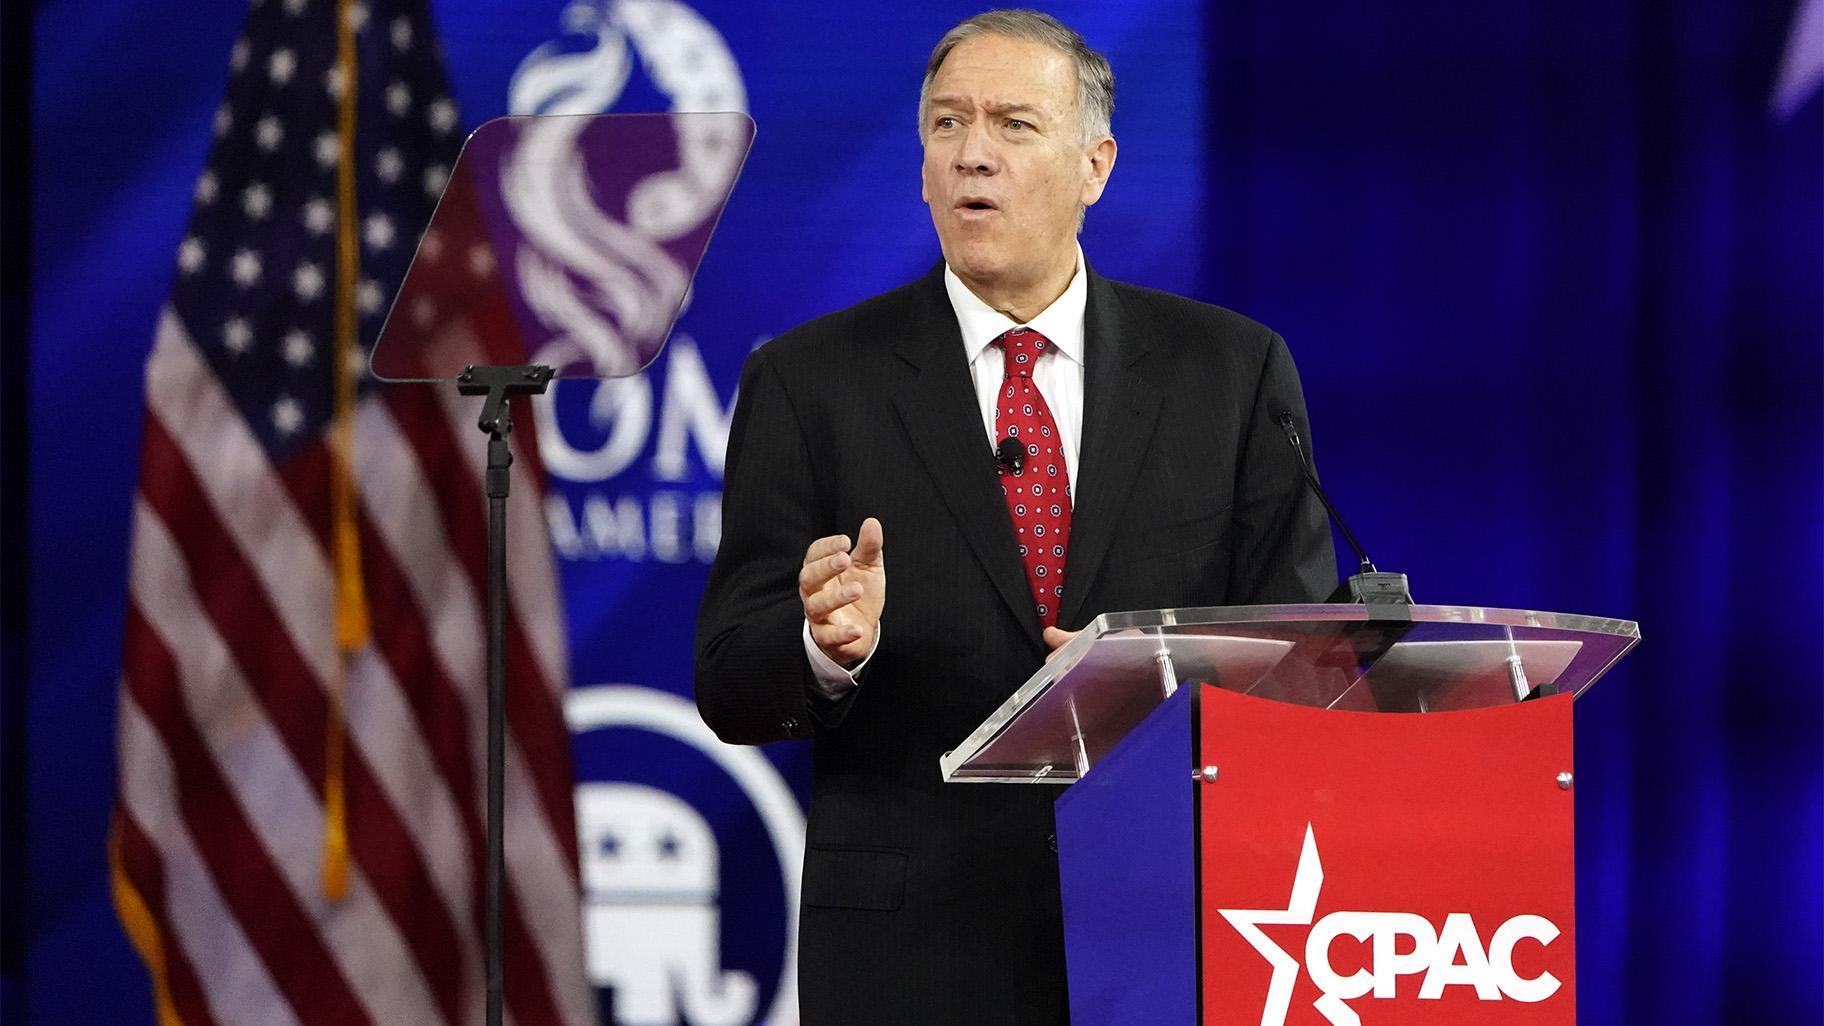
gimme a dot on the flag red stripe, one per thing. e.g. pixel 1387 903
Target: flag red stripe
pixel 532 710
pixel 438 710
pixel 235 600
pixel 280 932
pixel 140 861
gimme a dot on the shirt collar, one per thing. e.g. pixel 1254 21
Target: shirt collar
pixel 1061 323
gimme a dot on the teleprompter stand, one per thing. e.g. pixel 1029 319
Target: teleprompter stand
pixel 499 385
pixel 563 247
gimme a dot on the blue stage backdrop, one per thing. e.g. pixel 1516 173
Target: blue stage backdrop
pixel 1553 277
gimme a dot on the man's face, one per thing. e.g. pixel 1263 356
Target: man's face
pixel 1005 173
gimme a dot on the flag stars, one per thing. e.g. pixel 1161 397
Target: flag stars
pixel 206 188
pixel 237 335
pixel 399 99
pixel 268 133
pixel 435 178
pixel 190 255
pixel 368 298
pixel 295 7
pixel 327 149
pixel 256 201
pixel 357 15
pixel 287 415
pixel 378 232
pixel 402 33
pixel 237 57
pixel 308 281
pixel 424 312
pixel 245 268
pixel 481 260
pixel 224 121
pixel 431 246
pixel 297 348
pixel 332 83
pixel 318 217
pixel 442 115
pixel 389 165
pixel 280 66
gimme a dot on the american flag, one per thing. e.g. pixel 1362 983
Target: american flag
pixel 255 734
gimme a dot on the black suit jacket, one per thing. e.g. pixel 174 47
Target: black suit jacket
pixel 927 903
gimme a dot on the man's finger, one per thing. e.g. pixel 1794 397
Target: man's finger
pixel 868 543
pixel 825 547
pixel 816 574
pixel 820 605
pixel 832 637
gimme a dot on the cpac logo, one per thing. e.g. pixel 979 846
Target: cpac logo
pixel 1452 956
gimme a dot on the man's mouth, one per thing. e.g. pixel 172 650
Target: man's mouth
pixel 976 203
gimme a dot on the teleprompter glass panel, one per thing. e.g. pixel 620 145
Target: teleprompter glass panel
pixel 564 240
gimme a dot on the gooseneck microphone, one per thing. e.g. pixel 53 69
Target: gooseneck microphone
pixel 1387 594
pixel 1010 455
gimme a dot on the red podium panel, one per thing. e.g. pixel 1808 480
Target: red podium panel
pixel 1363 869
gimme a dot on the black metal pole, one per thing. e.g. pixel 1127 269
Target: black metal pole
pixel 499 460
pixel 499 385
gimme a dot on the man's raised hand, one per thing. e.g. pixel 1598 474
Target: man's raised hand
pixel 843 589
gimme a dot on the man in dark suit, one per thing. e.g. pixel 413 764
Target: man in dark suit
pixel 1146 471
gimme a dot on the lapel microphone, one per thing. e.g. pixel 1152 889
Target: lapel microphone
pixel 1010 455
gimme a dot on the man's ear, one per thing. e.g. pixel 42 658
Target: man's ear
pixel 1101 160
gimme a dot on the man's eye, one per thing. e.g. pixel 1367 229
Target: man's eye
pixel 1017 125
pixel 946 122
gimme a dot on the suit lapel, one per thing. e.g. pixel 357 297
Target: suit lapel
pixel 935 400
pixel 1120 410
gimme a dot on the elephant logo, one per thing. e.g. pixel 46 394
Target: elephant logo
pixel 649 909
pixel 652 872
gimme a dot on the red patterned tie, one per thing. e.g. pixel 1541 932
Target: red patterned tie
pixel 1038 493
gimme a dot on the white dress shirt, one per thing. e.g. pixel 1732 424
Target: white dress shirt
pixel 1058 375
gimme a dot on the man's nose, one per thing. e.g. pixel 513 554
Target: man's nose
pixel 976 152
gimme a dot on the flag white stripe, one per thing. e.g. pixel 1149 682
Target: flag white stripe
pixel 235 982
pixel 279 804
pixel 251 502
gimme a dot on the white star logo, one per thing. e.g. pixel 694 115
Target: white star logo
pixel 1299 910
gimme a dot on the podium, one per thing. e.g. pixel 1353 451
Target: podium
pixel 1310 814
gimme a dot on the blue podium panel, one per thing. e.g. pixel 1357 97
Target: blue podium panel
pixel 1127 865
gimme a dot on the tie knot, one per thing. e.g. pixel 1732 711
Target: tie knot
pixel 1020 349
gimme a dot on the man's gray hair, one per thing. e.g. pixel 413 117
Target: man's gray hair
pixel 1095 79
